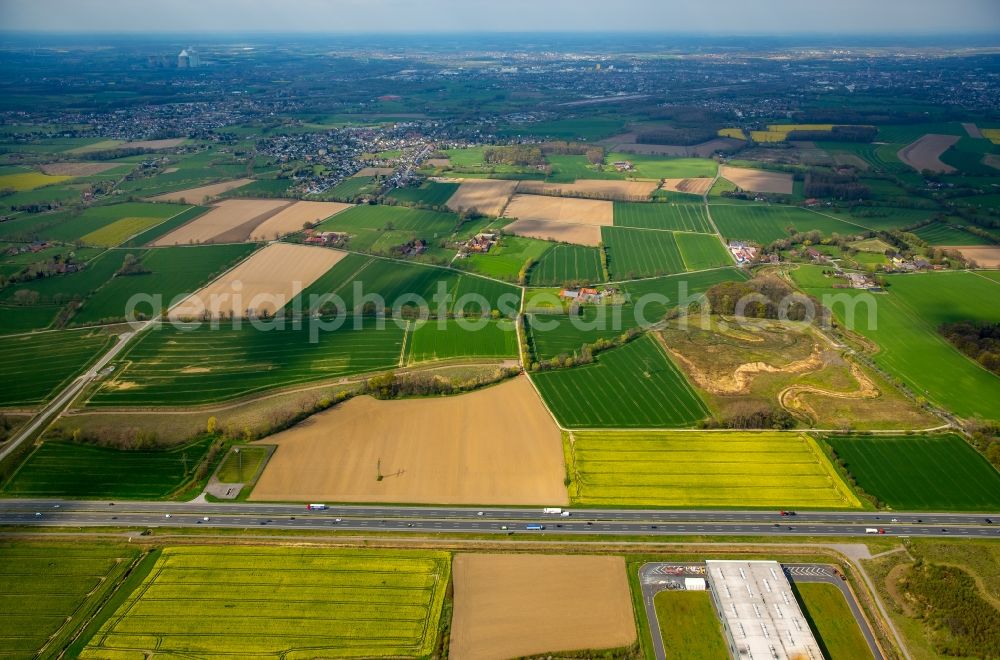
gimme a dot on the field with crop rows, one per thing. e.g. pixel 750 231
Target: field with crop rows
pixel 904 323
pixel 657 215
pixel 566 263
pixel 172 271
pixel 483 339
pixel 634 253
pixel 47 591
pixel 739 469
pixel 702 251
pixel 432 193
pixel 166 226
pixel 66 469
pixel 765 224
pixel 168 366
pixel 281 602
pixel 37 365
pixel 659 167
pixel 633 386
pixel 878 157
pixel 70 226
pixel 931 472
pixel 941 233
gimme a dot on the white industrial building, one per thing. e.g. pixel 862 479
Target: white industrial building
pixel 188 58
pixel 760 617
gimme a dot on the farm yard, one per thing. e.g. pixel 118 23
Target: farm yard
pixel 526 605
pixel 336 602
pixel 49 591
pixel 261 285
pixel 702 469
pixel 38 365
pixel 456 451
pixel 921 472
pixel 73 469
pixel 170 366
pixel 634 386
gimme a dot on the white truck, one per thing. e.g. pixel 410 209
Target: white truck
pixel 316 507
pixel 552 510
pixel 874 530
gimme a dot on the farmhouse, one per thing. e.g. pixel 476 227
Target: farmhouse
pixel 623 165
pixel 760 616
pixel 742 252
pixel 480 243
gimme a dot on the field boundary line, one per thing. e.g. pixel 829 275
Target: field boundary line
pixel 165 220
pixel 402 348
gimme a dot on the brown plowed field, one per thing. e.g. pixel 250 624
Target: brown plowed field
pixel 486 196
pixel 496 445
pixel 266 281
pixel 509 606
pixel 198 195
pixel 925 153
pixel 698 186
pixel 987 256
pixel 374 171
pixel 547 230
pixel 229 221
pixel 593 188
pixel 76 169
pixel 758 180
pixel 561 209
pixel 292 218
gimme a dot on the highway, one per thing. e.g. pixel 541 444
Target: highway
pixel 40 513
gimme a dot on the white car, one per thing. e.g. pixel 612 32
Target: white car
pixel 206 519
pixel 167 515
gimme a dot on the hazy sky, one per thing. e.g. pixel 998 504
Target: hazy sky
pixel 719 16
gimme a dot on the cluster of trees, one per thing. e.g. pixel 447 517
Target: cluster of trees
pixel 837 134
pixel 57 265
pixel 764 297
pixel 752 415
pixel 514 154
pixel 980 341
pixel 985 437
pixel 844 187
pixel 964 623
pixel 131 266
pixel 392 385
pixel 679 136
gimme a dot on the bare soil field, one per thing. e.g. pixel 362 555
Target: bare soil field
pixel 437 162
pixel 565 232
pixel 265 282
pixel 497 445
pixel 986 256
pixel 509 606
pixel 992 160
pixel 375 171
pixel 561 209
pixel 229 221
pixel 168 143
pixel 972 130
pixel 592 188
pixel 758 180
pixel 924 154
pixel 487 196
pixel 76 169
pixel 699 186
pixel 198 195
pixel 291 219
pixel 850 160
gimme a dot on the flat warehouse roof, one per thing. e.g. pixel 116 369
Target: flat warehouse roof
pixel 759 612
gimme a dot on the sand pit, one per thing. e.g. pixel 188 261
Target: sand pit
pixel 564 232
pixel 925 153
pixel 510 606
pixel 986 256
pixel 758 180
pixel 375 171
pixel 265 282
pixel 292 218
pixel 486 196
pixel 230 221
pixel 561 209
pixel 592 188
pixel 198 195
pixel 76 169
pixel 497 445
pixel 699 186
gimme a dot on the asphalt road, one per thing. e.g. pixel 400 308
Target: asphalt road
pixel 84 513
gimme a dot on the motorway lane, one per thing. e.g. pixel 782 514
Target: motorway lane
pixel 221 517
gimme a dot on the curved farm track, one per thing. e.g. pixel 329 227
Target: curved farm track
pixel 789 397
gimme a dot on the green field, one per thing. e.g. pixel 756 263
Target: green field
pixel 168 366
pixel 921 473
pixel 832 621
pixel 48 591
pixel 379 229
pixel 166 227
pixel 37 365
pixel 173 273
pixel 904 324
pixel 67 469
pixel 703 469
pixel 281 602
pixel 634 386
pixel 634 253
pixel 480 339
pixel 96 221
pixel 702 251
pixel 350 188
pixel 584 128
pixel 662 167
pixel 879 157
pixel 567 264
pixel 431 193
pixel 505 260
pixel 942 233
pixel 689 626
pixel 764 224
pixel 677 217
pixel 239 467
